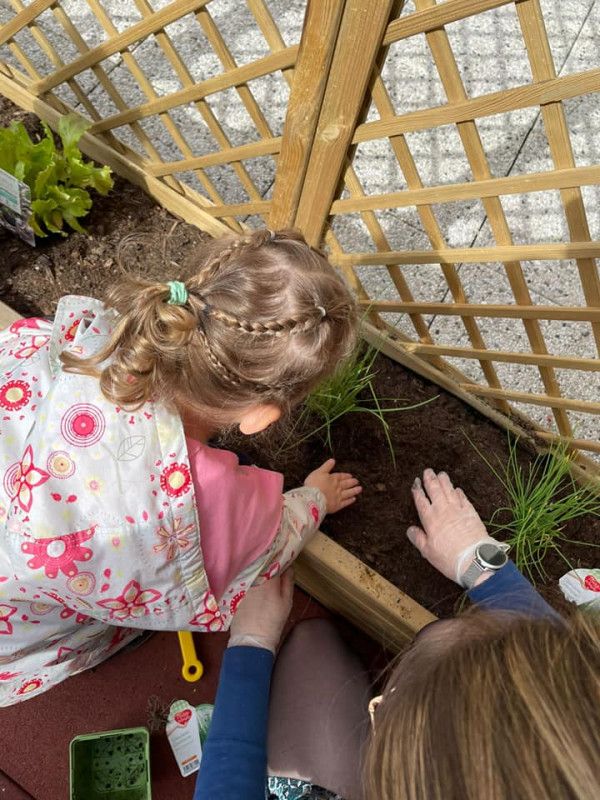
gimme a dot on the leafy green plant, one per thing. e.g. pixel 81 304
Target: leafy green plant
pixel 542 499
pixel 59 179
pixel 349 390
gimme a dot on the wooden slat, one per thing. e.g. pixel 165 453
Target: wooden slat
pixel 534 94
pixel 473 190
pixel 385 109
pixel 575 444
pixel 363 22
pixel 321 26
pixel 215 128
pixel 432 18
pixel 549 251
pixel 23 18
pixel 226 156
pixel 508 357
pixel 565 313
pixel 453 86
pixel 226 80
pixel 533 399
pixel 557 132
pixel 346 586
pixel 258 207
pixel 148 25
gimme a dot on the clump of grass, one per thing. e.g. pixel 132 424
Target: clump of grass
pixel 349 390
pixel 542 499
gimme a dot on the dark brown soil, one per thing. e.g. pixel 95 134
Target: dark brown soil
pixel 128 227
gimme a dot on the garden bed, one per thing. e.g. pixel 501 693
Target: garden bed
pixel 129 228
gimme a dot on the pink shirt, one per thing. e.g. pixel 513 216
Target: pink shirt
pixel 239 508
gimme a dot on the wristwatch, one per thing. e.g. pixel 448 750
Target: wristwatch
pixel 488 557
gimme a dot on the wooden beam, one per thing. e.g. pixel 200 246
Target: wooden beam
pixel 345 585
pixel 319 35
pixel 508 357
pixel 545 91
pixel 508 311
pixel 361 31
pixel 549 251
pixel 23 19
pixel 432 18
pixel 473 190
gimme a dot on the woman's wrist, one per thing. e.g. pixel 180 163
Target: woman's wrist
pixel 251 640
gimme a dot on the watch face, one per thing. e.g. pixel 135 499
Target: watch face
pixel 491 555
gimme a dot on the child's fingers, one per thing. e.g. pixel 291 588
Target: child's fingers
pixel 346 503
pixel 346 483
pixel 351 491
pixel 327 466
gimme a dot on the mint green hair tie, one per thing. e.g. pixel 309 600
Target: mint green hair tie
pixel 178 293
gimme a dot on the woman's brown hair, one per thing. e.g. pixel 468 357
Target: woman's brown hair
pixel 266 319
pixel 493 707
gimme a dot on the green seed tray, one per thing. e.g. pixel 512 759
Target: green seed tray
pixel 114 765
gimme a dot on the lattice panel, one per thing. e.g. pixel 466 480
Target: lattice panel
pixel 469 254
pixel 193 92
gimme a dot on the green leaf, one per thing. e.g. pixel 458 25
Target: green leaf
pixel 70 129
pixel 58 179
pixel 82 173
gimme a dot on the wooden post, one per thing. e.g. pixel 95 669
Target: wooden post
pixel 319 36
pixel 361 33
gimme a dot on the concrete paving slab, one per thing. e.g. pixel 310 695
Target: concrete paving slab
pixel 7 316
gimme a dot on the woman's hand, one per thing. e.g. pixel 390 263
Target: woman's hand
pixel 340 488
pixel 260 617
pixel 451 526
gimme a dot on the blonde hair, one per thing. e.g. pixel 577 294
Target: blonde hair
pixel 508 709
pixel 266 319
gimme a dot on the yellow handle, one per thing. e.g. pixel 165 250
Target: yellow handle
pixel 192 667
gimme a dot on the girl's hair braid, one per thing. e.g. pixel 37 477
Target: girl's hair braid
pixel 266 319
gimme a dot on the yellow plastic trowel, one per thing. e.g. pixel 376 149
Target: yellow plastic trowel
pixel 192 668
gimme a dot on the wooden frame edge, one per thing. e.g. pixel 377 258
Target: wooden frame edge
pixel 345 584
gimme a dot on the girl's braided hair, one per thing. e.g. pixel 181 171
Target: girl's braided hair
pixel 266 319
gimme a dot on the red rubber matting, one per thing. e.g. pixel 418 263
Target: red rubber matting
pixel 35 735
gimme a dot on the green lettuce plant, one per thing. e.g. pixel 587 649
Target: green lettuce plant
pixel 59 178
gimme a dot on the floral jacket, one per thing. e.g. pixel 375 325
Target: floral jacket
pixel 89 494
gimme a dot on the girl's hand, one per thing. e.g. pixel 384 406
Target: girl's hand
pixel 262 614
pixel 340 488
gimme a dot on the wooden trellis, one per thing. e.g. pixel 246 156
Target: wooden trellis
pixel 335 74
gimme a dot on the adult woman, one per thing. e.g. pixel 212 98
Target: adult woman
pixel 502 705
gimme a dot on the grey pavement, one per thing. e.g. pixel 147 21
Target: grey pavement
pixel 490 55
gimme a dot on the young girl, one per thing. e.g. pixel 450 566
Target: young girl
pixel 117 516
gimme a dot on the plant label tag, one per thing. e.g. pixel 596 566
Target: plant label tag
pixel 183 733
pixel 9 192
pixel 15 207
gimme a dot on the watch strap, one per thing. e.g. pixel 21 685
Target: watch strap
pixel 473 571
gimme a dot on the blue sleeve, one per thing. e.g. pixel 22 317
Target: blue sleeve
pixel 234 760
pixel 508 590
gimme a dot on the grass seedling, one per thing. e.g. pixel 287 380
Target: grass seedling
pixel 349 390
pixel 542 499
